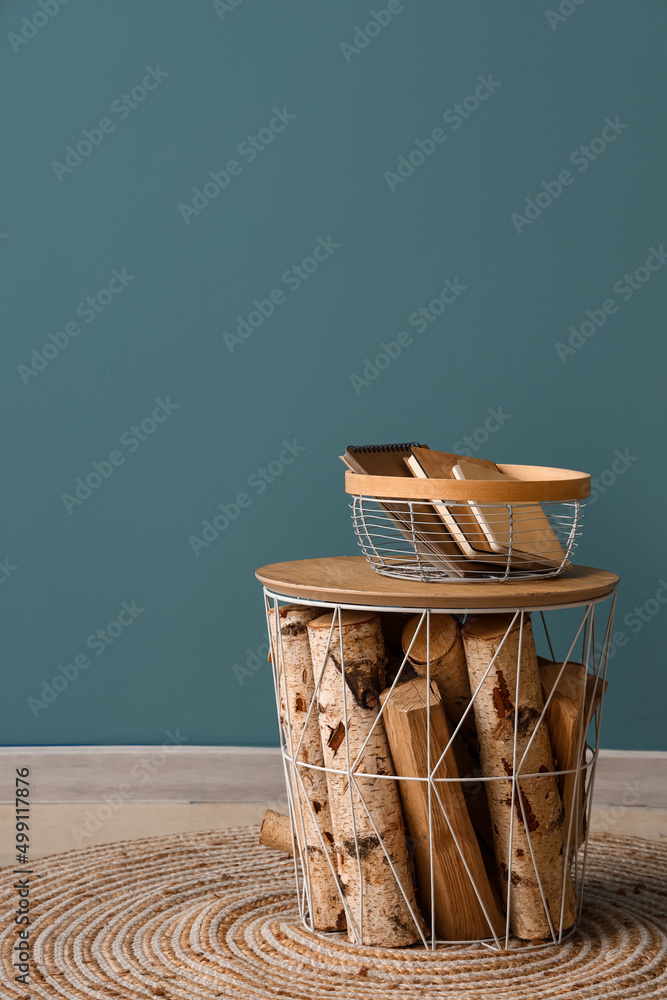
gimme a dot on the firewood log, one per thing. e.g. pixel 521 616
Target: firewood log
pixel 450 673
pixel 448 666
pixel 458 913
pixel 377 909
pixel 312 814
pixel 537 805
pixel 276 832
pixel 575 689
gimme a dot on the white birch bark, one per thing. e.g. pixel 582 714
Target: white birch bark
pixel 312 815
pixel 448 666
pixel 378 908
pixel 537 807
pixel 276 832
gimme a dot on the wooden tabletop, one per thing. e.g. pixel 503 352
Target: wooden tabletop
pixel 351 580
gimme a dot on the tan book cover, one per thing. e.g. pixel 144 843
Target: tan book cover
pixel 458 517
pixel 529 527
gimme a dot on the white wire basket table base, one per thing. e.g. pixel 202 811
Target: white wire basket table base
pixel 559 890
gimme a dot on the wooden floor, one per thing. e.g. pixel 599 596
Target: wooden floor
pixel 61 827
pixel 85 796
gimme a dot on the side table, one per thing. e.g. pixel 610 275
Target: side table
pixel 344 584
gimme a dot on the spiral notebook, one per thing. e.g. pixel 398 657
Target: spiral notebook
pixel 436 544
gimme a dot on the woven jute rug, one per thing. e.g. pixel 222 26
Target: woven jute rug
pixel 214 915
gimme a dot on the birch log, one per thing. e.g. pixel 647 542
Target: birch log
pixel 377 908
pixel 450 673
pixel 575 691
pixel 276 832
pixel 464 904
pixel 537 799
pixel 448 666
pixel 312 814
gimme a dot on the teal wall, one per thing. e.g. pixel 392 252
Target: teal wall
pixel 170 271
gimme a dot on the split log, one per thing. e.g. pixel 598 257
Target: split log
pixel 450 673
pixel 460 912
pixel 377 907
pixel 538 808
pixel 448 666
pixel 312 814
pixel 576 689
pixel 276 832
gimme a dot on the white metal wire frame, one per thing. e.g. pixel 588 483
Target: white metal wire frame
pixel 595 661
pixel 403 538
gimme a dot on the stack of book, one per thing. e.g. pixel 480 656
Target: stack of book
pixel 462 538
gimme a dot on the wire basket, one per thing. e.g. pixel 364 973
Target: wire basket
pixel 473 530
pixel 514 828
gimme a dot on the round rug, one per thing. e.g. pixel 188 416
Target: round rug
pixel 214 915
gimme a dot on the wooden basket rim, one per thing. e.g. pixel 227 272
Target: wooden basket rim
pixel 538 483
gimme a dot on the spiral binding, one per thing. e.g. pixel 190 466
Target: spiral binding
pixel 361 449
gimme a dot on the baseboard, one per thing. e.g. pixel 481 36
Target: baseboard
pixel 175 773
